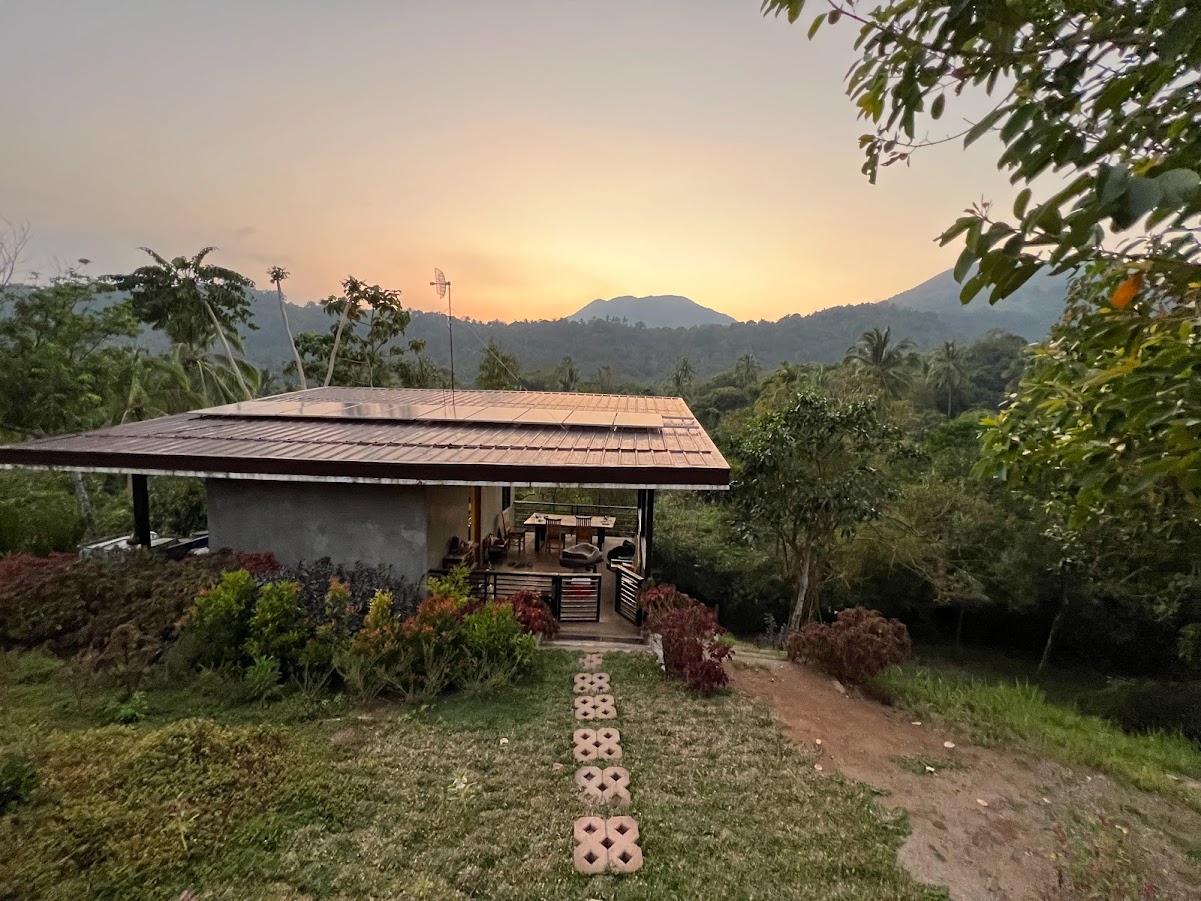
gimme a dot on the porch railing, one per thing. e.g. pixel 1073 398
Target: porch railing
pixel 627 585
pixel 572 597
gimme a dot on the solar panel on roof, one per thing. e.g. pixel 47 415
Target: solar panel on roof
pixel 299 407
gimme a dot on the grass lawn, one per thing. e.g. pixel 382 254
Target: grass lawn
pixel 286 802
pixel 998 710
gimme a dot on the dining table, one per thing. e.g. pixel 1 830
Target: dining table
pixel 600 524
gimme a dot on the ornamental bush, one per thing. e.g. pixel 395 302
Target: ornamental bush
pixel 858 645
pixel 276 627
pixel 533 613
pixel 692 651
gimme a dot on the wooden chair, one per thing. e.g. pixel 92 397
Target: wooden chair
pixel 583 529
pixel 513 539
pixel 555 533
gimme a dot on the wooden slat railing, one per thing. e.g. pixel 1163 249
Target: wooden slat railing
pixel 573 598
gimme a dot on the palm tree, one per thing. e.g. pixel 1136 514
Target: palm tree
pixel 681 379
pixel 875 354
pixel 192 301
pixel 151 386
pixel 568 375
pixel 947 371
pixel 277 274
pixel 747 370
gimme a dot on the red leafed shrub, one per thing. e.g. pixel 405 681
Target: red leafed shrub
pixel 657 600
pixel 71 603
pixel 689 630
pixel 859 644
pixel 260 565
pixel 533 613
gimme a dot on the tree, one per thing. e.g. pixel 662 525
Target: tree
pixel 1103 92
pixel 498 370
pixel 277 274
pixel 567 375
pixel 13 241
pixel 805 476
pixel 946 371
pixel 146 387
pixel 368 353
pixel 885 362
pixel 747 370
pixel 192 301
pixel 681 378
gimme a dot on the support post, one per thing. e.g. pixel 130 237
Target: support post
pixel 650 532
pixel 141 510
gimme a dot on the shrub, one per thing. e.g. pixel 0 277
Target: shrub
pixel 455 584
pixel 276 627
pixel 131 710
pixel 533 613
pixel 858 645
pixel 657 600
pixel 261 565
pixel 496 648
pixel 18 781
pixel 126 658
pixel 372 660
pixel 261 679
pixel 70 603
pixel 360 582
pixel 221 616
pixel 692 649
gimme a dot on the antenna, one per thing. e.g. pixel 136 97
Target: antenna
pixel 442 286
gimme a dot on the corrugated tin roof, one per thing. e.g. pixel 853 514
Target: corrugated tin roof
pixel 323 435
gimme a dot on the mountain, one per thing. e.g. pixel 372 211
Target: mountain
pixel 655 311
pixel 1029 311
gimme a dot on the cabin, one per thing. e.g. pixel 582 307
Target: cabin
pixel 421 480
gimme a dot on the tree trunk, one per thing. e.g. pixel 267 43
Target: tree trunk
pixel 801 608
pixel 948 403
pixel 229 352
pixel 85 505
pixel 283 311
pixel 1056 623
pixel 333 354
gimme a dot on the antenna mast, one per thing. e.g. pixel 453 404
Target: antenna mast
pixel 442 286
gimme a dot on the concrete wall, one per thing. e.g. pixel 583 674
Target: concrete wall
pixel 445 515
pixel 490 498
pixel 375 524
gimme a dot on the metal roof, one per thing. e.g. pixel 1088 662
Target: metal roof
pixel 409 436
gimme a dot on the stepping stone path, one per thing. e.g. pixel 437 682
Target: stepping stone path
pixel 609 786
pixel 595 707
pixel 606 844
pixel 602 845
pixel 598 744
pixel 591 682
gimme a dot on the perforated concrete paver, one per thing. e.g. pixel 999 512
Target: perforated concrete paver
pixel 593 660
pixel 606 844
pixel 591 683
pixel 597 744
pixel 608 786
pixel 595 707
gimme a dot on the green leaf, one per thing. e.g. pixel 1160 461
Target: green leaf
pixel 1142 196
pixel 963 264
pixel 1019 205
pixel 937 107
pixel 983 126
pixel 1179 186
pixel 817 23
pixel 1112 182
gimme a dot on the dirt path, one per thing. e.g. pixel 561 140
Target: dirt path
pixel 998 852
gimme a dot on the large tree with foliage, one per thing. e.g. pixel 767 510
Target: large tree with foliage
pixel 499 370
pixel 193 302
pixel 883 360
pixel 362 346
pixel 806 475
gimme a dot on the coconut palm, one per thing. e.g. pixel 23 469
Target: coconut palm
pixel 747 370
pixel 567 375
pixel 151 386
pixel 681 379
pixel 277 274
pixel 192 301
pixel 946 371
pixel 885 362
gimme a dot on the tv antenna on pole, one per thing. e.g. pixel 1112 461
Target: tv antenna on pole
pixel 442 285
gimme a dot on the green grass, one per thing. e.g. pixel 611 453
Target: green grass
pixel 259 802
pixel 997 712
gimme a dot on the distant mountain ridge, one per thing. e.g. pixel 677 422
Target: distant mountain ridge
pixel 653 311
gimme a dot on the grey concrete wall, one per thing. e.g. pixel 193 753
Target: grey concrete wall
pixel 375 524
pixel 446 514
pixel 490 498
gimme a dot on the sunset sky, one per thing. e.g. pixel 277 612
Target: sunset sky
pixel 542 152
